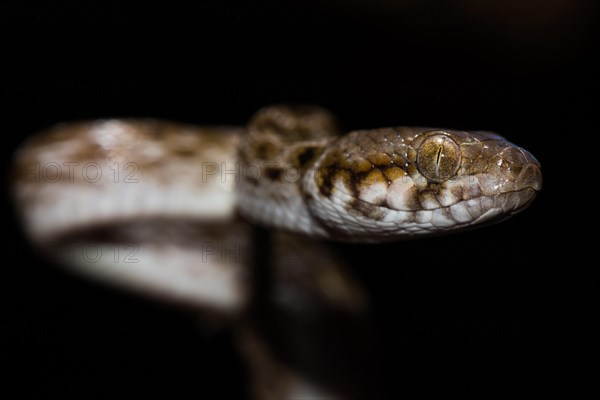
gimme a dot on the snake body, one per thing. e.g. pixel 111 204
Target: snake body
pixel 174 193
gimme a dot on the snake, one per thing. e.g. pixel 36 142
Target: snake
pixel 169 210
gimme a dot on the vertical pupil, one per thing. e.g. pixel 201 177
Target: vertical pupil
pixel 438 157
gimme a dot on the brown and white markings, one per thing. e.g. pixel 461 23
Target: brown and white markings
pixel 174 200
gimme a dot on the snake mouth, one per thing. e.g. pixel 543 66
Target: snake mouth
pixel 507 186
pixel 526 197
pixel 515 201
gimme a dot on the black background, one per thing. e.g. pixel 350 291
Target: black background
pixel 480 312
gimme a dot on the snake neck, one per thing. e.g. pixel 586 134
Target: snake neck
pixel 281 147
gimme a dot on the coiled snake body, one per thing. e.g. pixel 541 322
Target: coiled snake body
pixel 157 203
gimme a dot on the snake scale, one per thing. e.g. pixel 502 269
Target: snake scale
pixel 163 208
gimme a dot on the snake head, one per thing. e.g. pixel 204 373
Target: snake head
pixel 400 182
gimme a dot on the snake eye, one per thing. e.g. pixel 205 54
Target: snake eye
pixel 438 157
